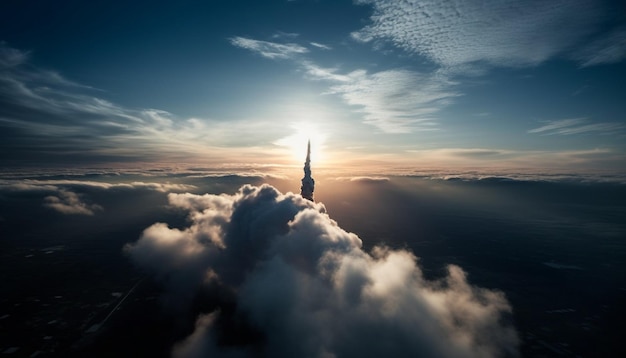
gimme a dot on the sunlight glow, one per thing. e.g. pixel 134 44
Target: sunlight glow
pixel 296 143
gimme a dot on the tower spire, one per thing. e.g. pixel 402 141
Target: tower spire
pixel 308 183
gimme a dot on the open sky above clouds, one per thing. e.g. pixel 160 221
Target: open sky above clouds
pixel 507 84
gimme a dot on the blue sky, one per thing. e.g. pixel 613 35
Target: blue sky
pixel 451 84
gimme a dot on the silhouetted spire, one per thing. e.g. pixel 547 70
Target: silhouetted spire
pixel 308 183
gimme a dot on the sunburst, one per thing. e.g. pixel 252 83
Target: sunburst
pixel 296 142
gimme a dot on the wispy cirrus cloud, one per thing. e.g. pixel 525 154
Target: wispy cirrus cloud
pixel 610 48
pixel 37 104
pixel 285 35
pixel 501 33
pixel 394 101
pixel 272 50
pixel 319 45
pixel 46 118
pixel 572 126
pixel 315 72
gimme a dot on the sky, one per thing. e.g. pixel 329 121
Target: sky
pixel 373 83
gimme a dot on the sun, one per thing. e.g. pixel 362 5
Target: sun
pixel 296 142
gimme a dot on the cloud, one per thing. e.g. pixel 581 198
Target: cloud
pixel 302 286
pixel 610 48
pixel 571 126
pixel 201 343
pixel 55 184
pixel 10 57
pixel 315 72
pixel 397 101
pixel 51 115
pixel 268 49
pixel 502 33
pixel 46 118
pixel 394 101
pixel 285 35
pixel 64 195
pixel 67 202
pixel 322 46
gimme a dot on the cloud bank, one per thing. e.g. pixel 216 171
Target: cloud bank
pixel 303 287
pixel 394 101
pixel 67 196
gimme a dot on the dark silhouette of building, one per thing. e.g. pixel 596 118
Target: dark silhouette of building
pixel 308 183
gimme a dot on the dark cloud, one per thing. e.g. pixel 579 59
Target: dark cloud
pixel 67 202
pixel 300 285
pixel 68 194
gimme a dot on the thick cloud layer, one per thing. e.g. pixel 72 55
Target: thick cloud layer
pixel 303 287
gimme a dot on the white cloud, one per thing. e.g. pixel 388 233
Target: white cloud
pixel 572 126
pixel 499 32
pixel 315 72
pixel 67 202
pixel 395 101
pixel 322 46
pixel 309 289
pixel 268 49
